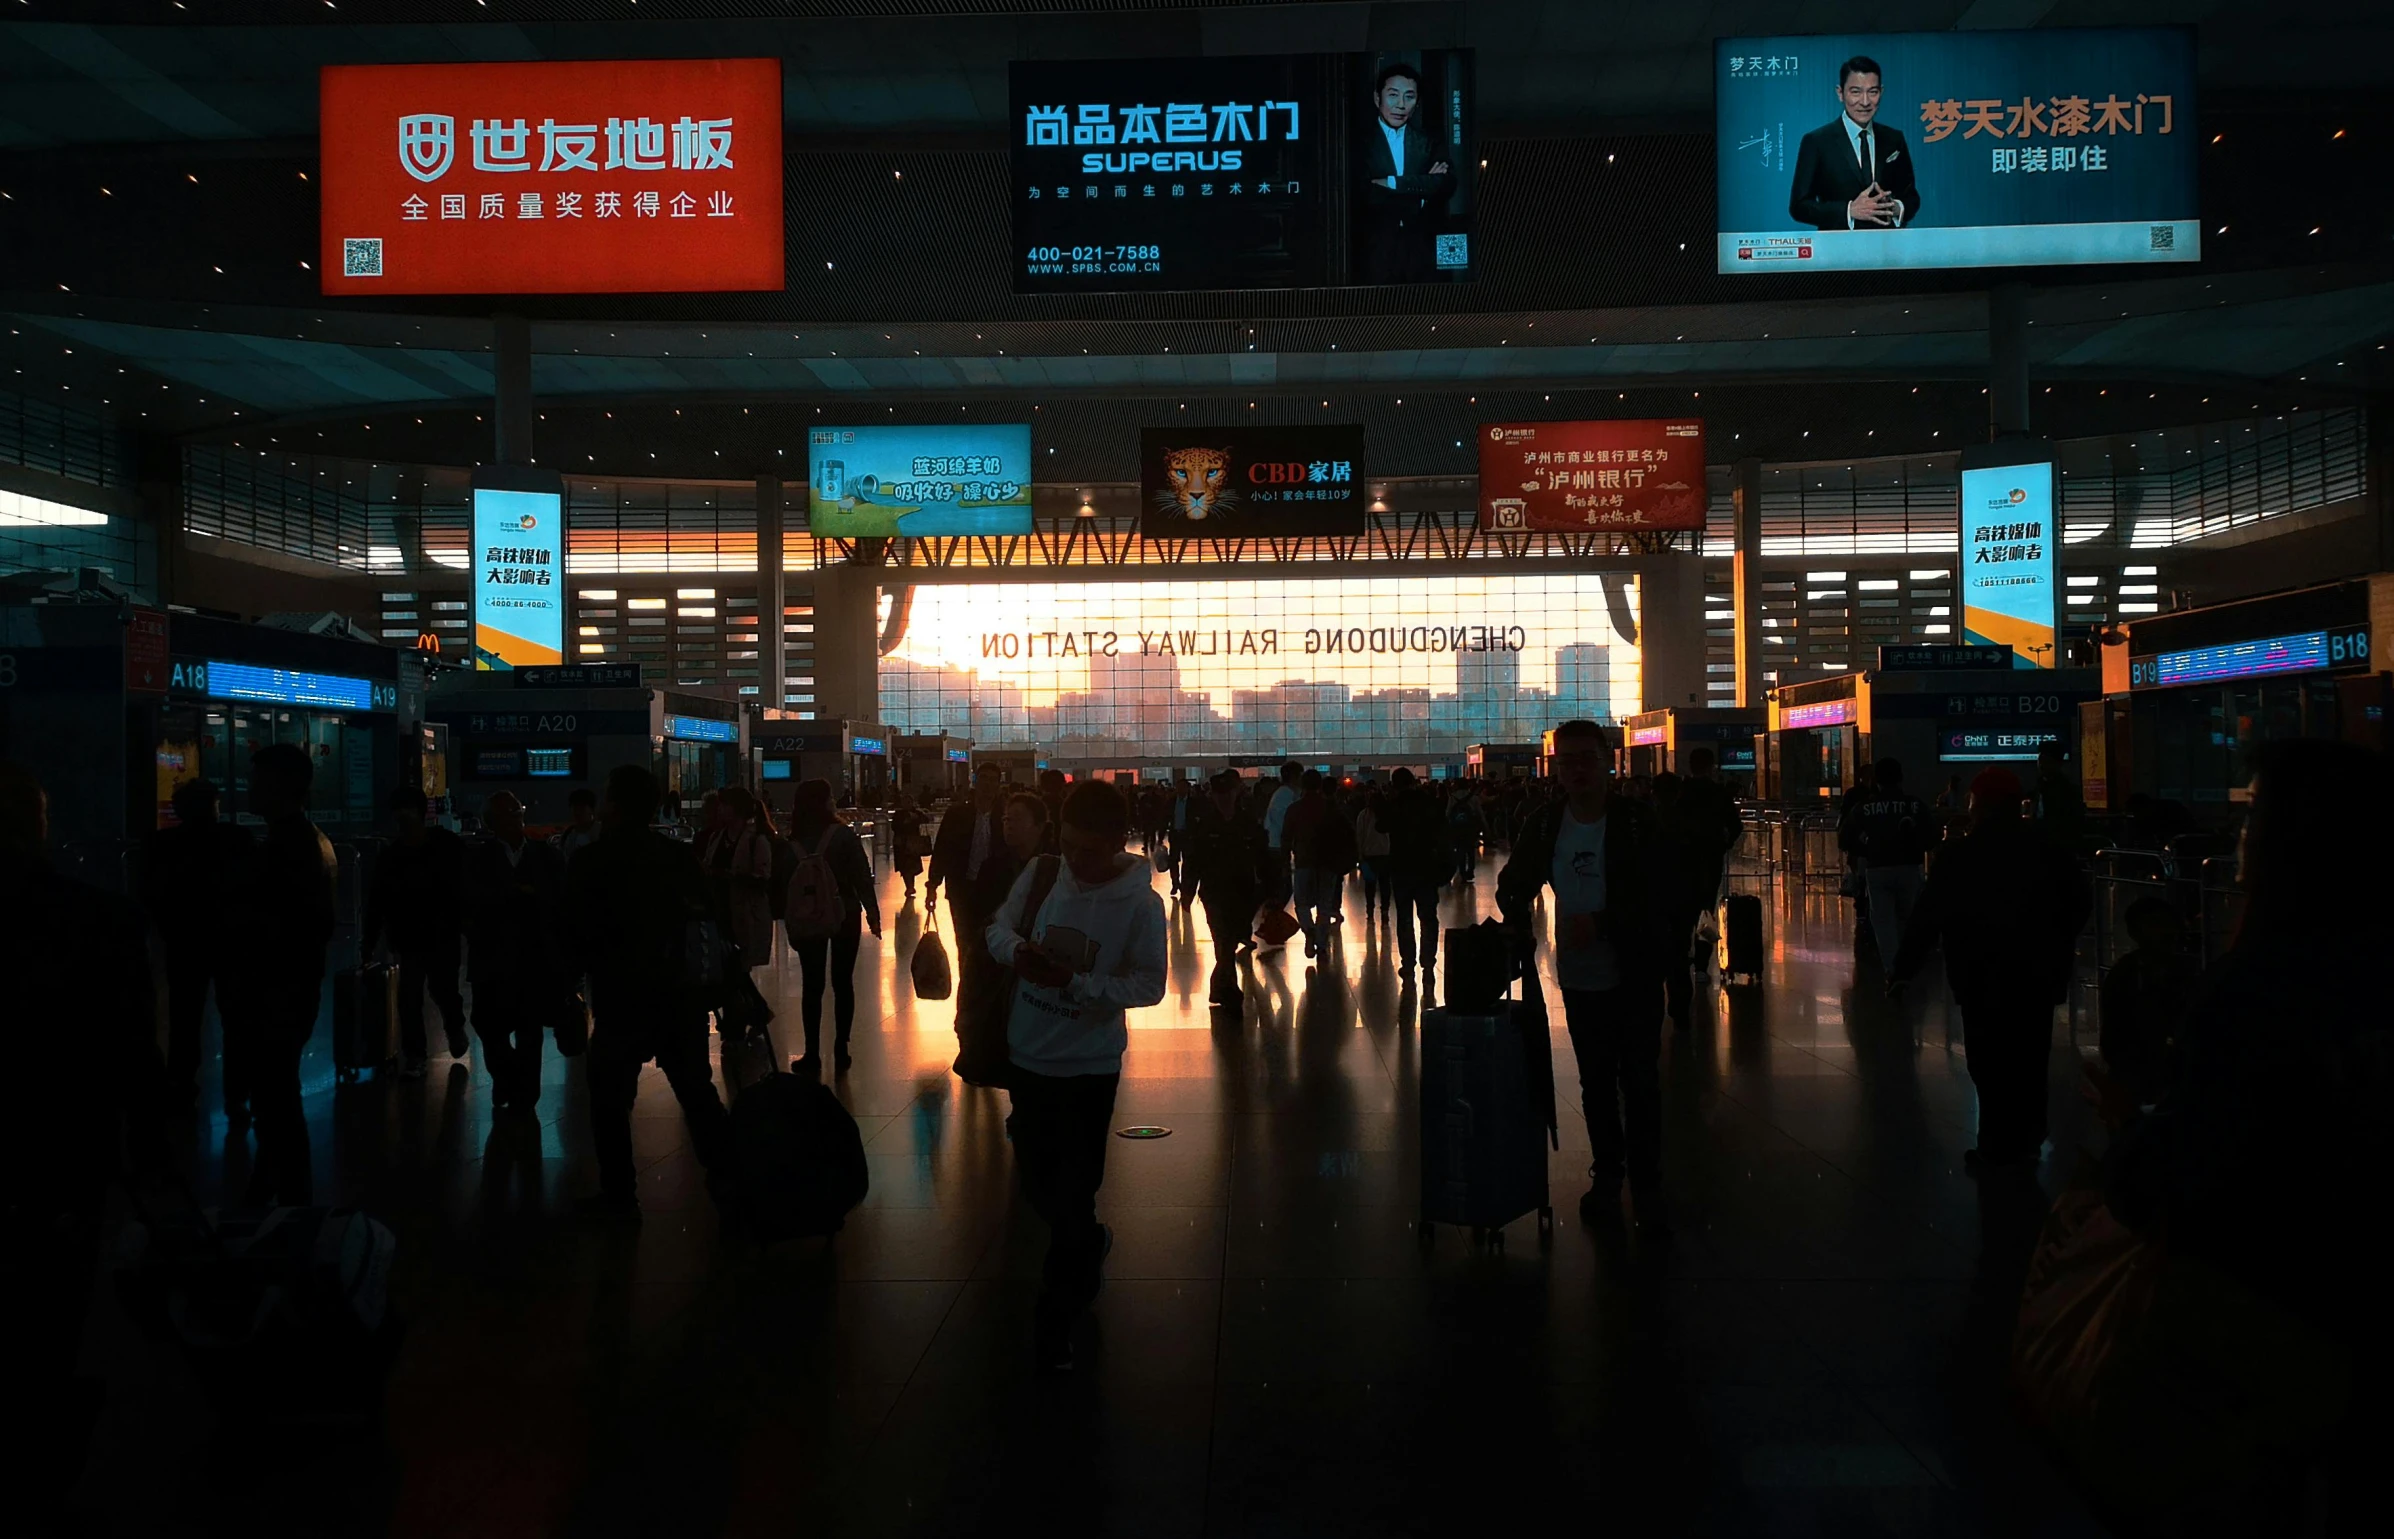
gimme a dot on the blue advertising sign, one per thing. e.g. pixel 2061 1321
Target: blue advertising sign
pixel 1963 149
pixel 701 729
pixel 964 478
pixel 284 686
pixel 2010 561
pixel 519 577
pixel 859 743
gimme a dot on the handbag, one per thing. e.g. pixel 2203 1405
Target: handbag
pixel 1276 926
pixel 2172 1389
pixel 572 1025
pixel 933 978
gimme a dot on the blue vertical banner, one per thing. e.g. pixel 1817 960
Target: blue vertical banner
pixel 1956 149
pixel 2011 561
pixel 519 569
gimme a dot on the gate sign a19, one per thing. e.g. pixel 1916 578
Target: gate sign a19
pixel 581 177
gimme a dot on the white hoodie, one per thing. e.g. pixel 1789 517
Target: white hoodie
pixel 1079 1029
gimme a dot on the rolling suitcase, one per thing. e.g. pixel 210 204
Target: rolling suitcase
pixel 365 1019
pixel 1741 940
pixel 800 1163
pixel 1487 1115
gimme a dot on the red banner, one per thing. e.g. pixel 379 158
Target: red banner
pixel 1592 475
pixel 589 177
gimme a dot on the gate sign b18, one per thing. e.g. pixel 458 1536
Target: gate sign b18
pixel 586 177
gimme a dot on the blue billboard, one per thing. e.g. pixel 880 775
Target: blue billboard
pixel 519 571
pixel 961 478
pixel 1956 149
pixel 2010 561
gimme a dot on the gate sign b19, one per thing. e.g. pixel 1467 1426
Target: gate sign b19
pixel 606 176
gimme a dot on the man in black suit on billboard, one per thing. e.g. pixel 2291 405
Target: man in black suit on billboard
pixel 1405 176
pixel 1855 173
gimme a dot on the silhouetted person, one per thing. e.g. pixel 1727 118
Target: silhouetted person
pixel 515 949
pixel 1612 879
pixel 2147 996
pixel 1227 864
pixel 631 899
pixel 1053 788
pixel 1701 829
pixel 186 877
pixel 1371 853
pixel 582 825
pixel 968 858
pixel 1084 933
pixel 826 924
pixel 413 902
pixel 82 1046
pixel 1417 869
pixel 907 845
pixel 2006 903
pixel 2060 802
pixel 1311 835
pixel 1284 797
pixel 2268 1159
pixel 1886 833
pixel 278 924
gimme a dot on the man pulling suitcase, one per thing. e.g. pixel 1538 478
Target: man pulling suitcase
pixel 1614 883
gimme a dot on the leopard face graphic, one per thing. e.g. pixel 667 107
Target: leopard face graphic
pixel 1198 484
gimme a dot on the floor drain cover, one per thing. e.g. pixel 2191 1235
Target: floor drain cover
pixel 1143 1132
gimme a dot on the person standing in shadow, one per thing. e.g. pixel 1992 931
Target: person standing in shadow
pixel 186 876
pixel 830 903
pixel 515 949
pixel 2006 904
pixel 631 899
pixel 413 902
pixel 1228 863
pixel 1701 827
pixel 278 925
pixel 85 1025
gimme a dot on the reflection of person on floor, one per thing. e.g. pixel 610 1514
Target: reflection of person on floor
pixel 2006 904
pixel 1612 878
pixel 1084 936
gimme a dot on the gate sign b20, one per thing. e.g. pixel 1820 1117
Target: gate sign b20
pixel 586 177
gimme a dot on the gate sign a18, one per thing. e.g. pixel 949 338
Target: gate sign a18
pixel 581 177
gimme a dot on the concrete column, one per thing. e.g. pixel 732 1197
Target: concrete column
pixel 772 649
pixel 1671 631
pixel 511 386
pixel 158 484
pixel 2007 360
pixel 1747 584
pixel 847 643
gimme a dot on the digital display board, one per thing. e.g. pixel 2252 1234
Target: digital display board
pixel 702 729
pixel 951 479
pixel 602 176
pixel 1592 475
pixel 2010 561
pixel 220 680
pixel 1273 171
pixel 1228 483
pixel 2318 651
pixel 776 769
pixel 1824 713
pixel 859 743
pixel 1965 149
pixel 1995 745
pixel 519 568
pixel 1641 737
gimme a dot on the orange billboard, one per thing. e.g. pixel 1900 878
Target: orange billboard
pixel 1633 474
pixel 582 177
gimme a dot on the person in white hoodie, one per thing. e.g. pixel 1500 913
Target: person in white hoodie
pixel 1083 933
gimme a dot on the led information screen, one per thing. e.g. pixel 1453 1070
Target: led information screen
pixel 881 481
pixel 588 177
pixel 519 569
pixel 2309 652
pixel 1995 745
pixel 1592 475
pixel 1277 171
pixel 1983 149
pixel 2010 561
pixel 285 686
pixel 1224 483
pixel 701 729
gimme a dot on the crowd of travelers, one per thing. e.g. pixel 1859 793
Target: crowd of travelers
pixel 2252 1092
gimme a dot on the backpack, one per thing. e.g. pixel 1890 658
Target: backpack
pixel 800 1161
pixel 785 866
pixel 811 903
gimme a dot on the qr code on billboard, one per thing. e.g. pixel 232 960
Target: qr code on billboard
pixel 361 258
pixel 2165 237
pixel 1454 251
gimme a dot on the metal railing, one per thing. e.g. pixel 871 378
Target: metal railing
pixel 2200 887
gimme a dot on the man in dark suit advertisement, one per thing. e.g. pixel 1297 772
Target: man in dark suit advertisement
pixel 1406 180
pixel 1855 173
